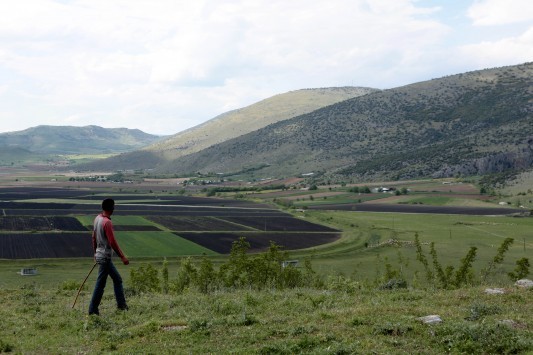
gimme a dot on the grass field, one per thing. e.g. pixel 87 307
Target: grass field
pixel 158 244
pixel 453 235
pixel 36 321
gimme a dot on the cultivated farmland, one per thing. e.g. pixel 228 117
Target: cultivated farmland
pixel 260 241
pixel 144 222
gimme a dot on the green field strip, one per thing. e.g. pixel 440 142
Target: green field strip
pixel 62 200
pixel 118 220
pixel 158 244
pixel 340 199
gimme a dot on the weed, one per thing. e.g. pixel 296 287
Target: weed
pixel 464 273
pixel 521 270
pixel 357 322
pixel 393 284
pixel 498 258
pixel 5 347
pixel 394 329
pixel 164 276
pixel 342 284
pixel 480 310
pixel 71 285
pixel 199 325
pixel 96 323
pixel 422 258
pixel 481 339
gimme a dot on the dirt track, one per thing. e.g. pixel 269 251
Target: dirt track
pixel 368 207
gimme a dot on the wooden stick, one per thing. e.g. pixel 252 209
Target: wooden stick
pixel 83 283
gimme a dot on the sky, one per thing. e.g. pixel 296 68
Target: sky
pixel 163 66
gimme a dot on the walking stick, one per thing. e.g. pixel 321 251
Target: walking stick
pixel 83 283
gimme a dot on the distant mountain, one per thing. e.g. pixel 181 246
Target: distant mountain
pixel 232 124
pixel 76 140
pixel 473 123
pixel 12 155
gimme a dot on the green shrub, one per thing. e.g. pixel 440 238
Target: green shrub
pixel 205 278
pixel 186 273
pixel 521 270
pixel 342 284
pixel 145 279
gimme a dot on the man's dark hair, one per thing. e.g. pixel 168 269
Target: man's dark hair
pixel 108 204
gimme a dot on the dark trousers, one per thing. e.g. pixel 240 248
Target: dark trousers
pixel 106 268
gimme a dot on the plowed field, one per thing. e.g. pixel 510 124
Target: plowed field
pixel 222 242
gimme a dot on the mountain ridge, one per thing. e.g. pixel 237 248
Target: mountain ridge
pixel 47 139
pixel 437 127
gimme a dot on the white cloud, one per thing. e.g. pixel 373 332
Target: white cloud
pixel 500 12
pixel 501 52
pixel 166 65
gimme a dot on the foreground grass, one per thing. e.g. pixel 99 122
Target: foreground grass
pixel 360 319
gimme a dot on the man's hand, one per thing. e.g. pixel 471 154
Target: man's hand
pixel 125 261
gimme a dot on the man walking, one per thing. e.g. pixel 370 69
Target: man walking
pixel 104 243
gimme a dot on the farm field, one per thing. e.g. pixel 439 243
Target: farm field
pixel 143 229
pixel 260 241
pixel 434 193
pixel 351 242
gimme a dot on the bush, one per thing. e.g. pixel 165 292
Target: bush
pixel 521 270
pixel 186 273
pixel 144 279
pixel 260 271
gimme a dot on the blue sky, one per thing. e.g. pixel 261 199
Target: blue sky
pixel 163 66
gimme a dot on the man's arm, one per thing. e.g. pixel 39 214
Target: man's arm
pixel 110 234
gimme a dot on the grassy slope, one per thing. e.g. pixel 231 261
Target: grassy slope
pixel 282 322
pixel 238 122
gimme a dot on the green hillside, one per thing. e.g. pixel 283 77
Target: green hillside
pixel 15 155
pixel 231 125
pixel 76 140
pixel 473 123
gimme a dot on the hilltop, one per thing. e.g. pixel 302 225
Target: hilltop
pixel 230 125
pixel 42 140
pixel 465 124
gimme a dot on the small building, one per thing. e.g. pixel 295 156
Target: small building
pixel 286 263
pixel 28 272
